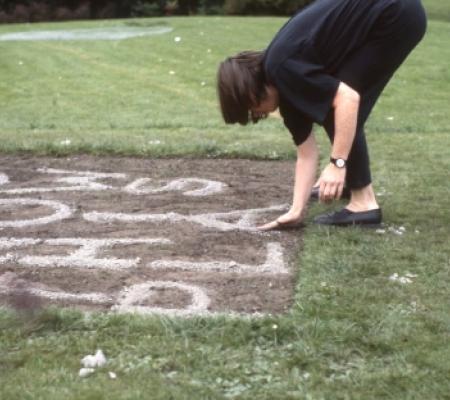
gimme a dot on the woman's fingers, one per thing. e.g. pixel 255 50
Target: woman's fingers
pixel 327 191
pixel 283 222
pixel 269 226
pixel 340 190
pixel 330 191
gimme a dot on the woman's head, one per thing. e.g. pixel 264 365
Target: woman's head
pixel 242 88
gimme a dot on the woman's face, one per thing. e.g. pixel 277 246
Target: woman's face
pixel 267 105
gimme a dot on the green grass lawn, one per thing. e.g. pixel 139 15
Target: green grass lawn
pixel 351 333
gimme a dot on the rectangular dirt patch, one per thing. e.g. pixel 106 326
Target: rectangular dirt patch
pixel 170 236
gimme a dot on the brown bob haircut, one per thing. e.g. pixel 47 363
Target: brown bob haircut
pixel 241 84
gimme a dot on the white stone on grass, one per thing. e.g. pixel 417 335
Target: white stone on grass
pixel 85 372
pixel 112 375
pixel 94 360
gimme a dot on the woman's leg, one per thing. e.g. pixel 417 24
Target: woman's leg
pixel 368 70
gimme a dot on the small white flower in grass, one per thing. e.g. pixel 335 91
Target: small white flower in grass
pixel 177 39
pixel 203 83
pixel 154 142
pixel 20 62
pixel 171 72
pixel 390 118
pixel 201 33
pixel 84 372
pixel 65 142
pixel 397 231
pixel 408 278
pixel 274 327
pixel 112 375
pixel 380 231
pixel 323 284
pixel 209 50
pixel 306 375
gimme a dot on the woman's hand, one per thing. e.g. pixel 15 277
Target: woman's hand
pixel 292 219
pixel 331 183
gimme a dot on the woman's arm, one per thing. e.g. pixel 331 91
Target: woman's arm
pixel 346 107
pixel 305 173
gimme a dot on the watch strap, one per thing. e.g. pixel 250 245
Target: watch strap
pixel 338 162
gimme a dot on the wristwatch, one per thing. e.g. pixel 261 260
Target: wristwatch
pixel 339 162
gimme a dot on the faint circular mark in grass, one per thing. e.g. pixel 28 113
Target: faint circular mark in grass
pixel 112 33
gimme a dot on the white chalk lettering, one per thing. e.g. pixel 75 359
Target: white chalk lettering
pixel 244 220
pixel 4 179
pixel 86 255
pixel 11 284
pixel 12 243
pixel 61 211
pixel 207 187
pixel 78 181
pixel 131 298
pixel 273 265
pixel 128 300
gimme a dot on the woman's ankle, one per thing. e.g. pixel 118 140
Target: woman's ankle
pixel 363 200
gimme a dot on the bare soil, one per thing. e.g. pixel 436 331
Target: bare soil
pixel 250 185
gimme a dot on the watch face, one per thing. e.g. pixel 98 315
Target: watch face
pixel 340 163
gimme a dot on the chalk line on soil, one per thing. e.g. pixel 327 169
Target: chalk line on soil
pixel 80 181
pixel 246 219
pixel 4 179
pixel 11 285
pixel 61 212
pixel 209 187
pixel 217 241
pixel 127 301
pixel 84 257
pixel 273 265
pixel 132 296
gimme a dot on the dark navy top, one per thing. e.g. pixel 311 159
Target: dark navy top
pixel 303 58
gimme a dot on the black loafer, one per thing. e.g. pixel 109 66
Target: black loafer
pixel 346 217
pixel 315 193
